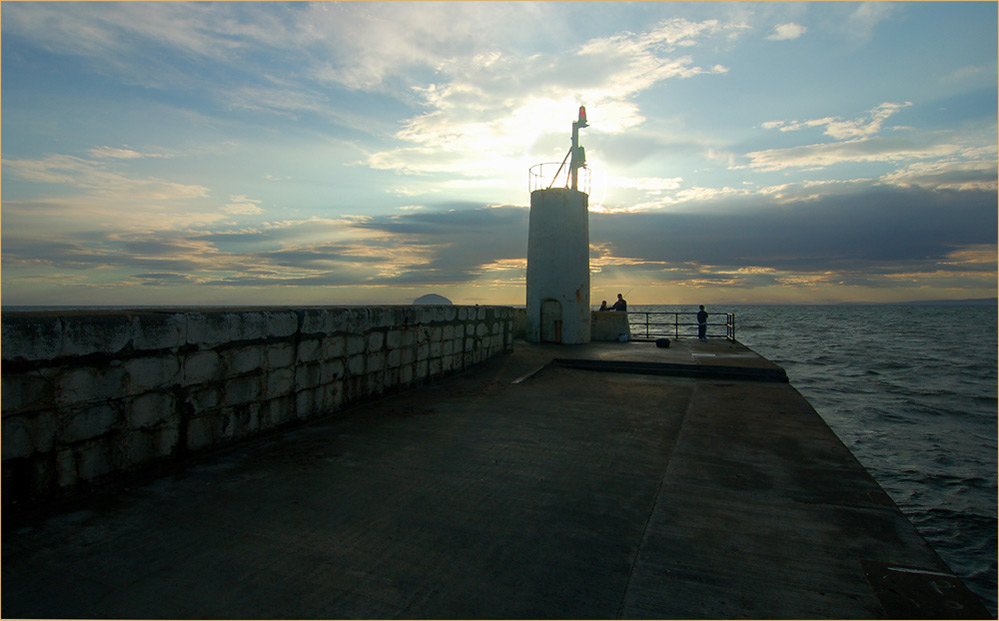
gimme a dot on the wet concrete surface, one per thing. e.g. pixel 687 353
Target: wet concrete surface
pixel 519 489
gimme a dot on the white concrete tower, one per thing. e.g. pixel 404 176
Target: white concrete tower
pixel 558 251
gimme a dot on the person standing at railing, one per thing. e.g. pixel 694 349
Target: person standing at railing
pixel 702 324
pixel 603 306
pixel 620 305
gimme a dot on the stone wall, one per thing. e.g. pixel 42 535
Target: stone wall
pixel 90 395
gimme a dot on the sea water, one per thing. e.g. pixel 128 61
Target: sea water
pixel 911 390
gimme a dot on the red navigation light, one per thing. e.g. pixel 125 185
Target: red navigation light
pixel 582 114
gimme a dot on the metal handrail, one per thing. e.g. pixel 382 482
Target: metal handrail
pixel 653 329
pixel 541 177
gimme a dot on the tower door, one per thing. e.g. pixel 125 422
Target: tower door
pixel 551 321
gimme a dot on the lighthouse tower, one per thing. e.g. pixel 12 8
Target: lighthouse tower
pixel 558 250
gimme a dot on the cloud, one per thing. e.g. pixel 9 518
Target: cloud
pixel 241 205
pixel 823 155
pixel 482 111
pixel 121 153
pixel 786 32
pixel 845 227
pixel 99 178
pixel 844 129
pixel 947 175
pixel 866 17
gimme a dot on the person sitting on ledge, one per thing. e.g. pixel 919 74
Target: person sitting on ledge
pixel 603 306
pixel 620 305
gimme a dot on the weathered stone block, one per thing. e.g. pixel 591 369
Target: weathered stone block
pixel 316 321
pixel 406 374
pixel 88 423
pixel 143 446
pixel 308 376
pixel 391 379
pixel 280 382
pixel 213 328
pixel 244 359
pixel 151 409
pixel 375 383
pixel 334 347
pixel 200 433
pixel 436 349
pixel 280 355
pixel 354 388
pixel 158 331
pixel 481 330
pixel 409 337
pixel 408 355
pixel 450 313
pixel 309 350
pixel 435 367
pixel 393 339
pixel 375 362
pixel 375 341
pixel 332 396
pixel 35 337
pixel 384 317
pixel 240 390
pixel 66 468
pixel 393 359
pixel 166 440
pixel 247 419
pixel 331 370
pixel 16 439
pixel 281 323
pixel 85 384
pixel 422 351
pixel 308 403
pixel 421 369
pixel 94 459
pixel 481 313
pixel 355 364
pixel 249 325
pixel 24 392
pixel 204 399
pixel 148 373
pixel 90 334
pixel 201 367
pixel 355 344
pixel 138 447
pixel 280 410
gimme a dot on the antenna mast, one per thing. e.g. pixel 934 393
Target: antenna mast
pixel 578 154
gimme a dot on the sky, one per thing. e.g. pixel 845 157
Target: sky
pixel 373 152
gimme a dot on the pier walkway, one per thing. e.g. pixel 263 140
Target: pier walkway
pixel 616 483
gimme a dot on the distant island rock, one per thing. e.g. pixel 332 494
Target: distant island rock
pixel 432 299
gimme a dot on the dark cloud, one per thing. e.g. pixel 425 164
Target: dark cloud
pixel 846 231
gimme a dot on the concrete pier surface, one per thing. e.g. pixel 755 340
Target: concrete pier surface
pixel 617 482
